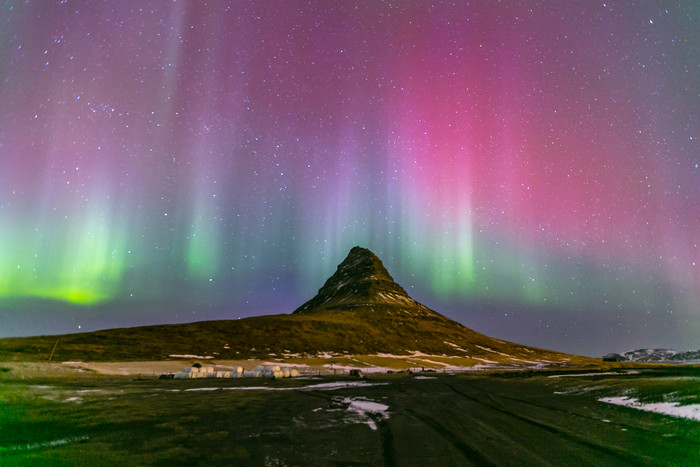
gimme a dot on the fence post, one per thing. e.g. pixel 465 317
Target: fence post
pixel 52 350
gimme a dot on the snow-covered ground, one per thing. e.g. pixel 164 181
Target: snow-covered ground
pixel 321 363
pixel 488 349
pixel 77 396
pixel 691 411
pixel 311 387
pixel 455 346
pixel 365 369
pixel 604 373
pixel 365 411
pixel 45 444
pixel 201 357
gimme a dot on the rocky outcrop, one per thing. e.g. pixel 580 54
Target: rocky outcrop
pixel 362 281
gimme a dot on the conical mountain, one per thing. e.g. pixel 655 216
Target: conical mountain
pixel 360 310
pixel 362 281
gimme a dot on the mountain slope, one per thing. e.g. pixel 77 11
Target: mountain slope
pixel 359 310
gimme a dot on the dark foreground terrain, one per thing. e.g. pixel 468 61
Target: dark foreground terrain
pixel 509 419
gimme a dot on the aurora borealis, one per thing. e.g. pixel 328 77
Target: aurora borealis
pixel 531 169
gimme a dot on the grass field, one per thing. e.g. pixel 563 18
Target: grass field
pixel 364 331
pixel 516 418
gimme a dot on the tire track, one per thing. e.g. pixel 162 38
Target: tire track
pixel 467 451
pixel 570 413
pixel 388 452
pixel 617 454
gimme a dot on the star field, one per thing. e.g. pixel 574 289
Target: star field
pixel 531 169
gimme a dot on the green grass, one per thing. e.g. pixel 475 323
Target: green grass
pixel 681 383
pixel 448 420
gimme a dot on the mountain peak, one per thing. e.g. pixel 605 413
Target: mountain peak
pixel 362 264
pixel 360 281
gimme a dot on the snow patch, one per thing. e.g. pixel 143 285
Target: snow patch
pixel 494 351
pixel 311 387
pixel 364 369
pixel 190 356
pixel 340 385
pixel 438 364
pixel 418 353
pixel 605 373
pixel 389 355
pixel 483 360
pixel 455 346
pixel 366 411
pixel 673 409
pixel 43 444
pixel 390 297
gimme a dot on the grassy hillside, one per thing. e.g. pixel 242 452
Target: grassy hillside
pixel 361 331
pixel 360 310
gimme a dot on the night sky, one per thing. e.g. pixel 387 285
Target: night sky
pixel 530 169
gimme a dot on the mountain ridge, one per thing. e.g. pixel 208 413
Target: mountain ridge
pixel 655 356
pixel 359 310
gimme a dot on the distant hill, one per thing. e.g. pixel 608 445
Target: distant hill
pixel 655 356
pixel 360 310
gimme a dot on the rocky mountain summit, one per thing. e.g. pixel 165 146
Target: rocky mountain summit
pixel 362 281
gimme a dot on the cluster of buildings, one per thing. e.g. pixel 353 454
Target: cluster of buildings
pixel 272 371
